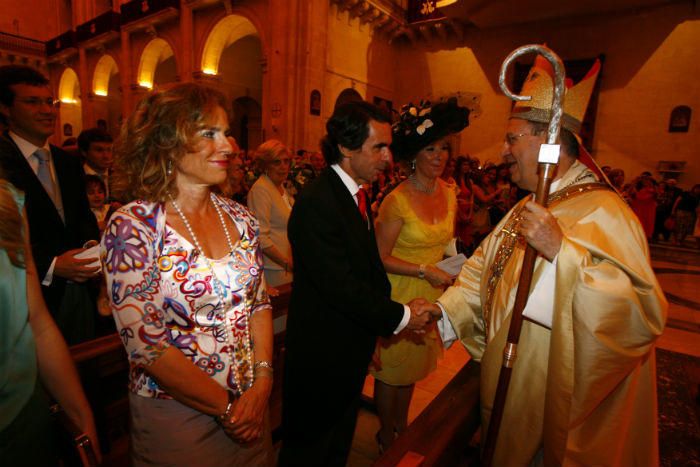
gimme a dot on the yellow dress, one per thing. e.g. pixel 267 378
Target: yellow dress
pixel 409 357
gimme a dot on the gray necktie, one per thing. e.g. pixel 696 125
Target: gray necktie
pixel 44 172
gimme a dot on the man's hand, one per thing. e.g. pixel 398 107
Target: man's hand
pixel 541 230
pixel 424 307
pixel 419 318
pixel 433 310
pixel 74 269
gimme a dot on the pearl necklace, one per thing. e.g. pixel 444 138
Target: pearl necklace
pixel 247 352
pixel 420 187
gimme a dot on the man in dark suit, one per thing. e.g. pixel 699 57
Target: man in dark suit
pixel 60 220
pixel 340 295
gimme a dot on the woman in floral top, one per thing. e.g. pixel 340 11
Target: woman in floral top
pixel 184 275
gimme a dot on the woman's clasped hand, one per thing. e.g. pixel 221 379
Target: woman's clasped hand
pixel 245 421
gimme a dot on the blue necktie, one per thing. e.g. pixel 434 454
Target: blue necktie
pixel 43 173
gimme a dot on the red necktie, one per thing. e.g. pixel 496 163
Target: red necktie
pixel 362 203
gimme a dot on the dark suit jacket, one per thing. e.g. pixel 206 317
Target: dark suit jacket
pixel 339 305
pixel 50 236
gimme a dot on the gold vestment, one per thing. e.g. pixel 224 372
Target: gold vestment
pixel 594 401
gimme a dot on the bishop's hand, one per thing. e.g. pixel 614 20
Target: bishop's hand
pixel 541 230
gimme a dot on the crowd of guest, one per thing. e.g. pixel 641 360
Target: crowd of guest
pixel 666 211
pixel 485 194
pixel 177 199
pixel 268 178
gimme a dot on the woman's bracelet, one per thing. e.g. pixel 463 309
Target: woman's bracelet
pixel 225 417
pixel 421 271
pixel 263 365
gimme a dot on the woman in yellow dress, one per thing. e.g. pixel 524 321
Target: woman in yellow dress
pixel 416 222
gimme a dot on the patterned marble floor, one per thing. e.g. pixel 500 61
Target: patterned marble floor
pixel 678 272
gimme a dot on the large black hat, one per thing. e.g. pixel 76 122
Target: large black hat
pixel 421 125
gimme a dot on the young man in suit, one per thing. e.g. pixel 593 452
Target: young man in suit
pixel 59 216
pixel 340 295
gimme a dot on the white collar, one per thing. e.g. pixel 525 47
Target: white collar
pixel 554 185
pixel 25 147
pixel 348 181
pixel 90 171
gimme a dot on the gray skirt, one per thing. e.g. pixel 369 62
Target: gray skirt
pixel 165 432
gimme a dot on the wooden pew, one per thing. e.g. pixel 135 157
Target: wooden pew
pixel 95 348
pixel 441 433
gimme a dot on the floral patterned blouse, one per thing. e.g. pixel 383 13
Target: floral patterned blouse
pixel 161 293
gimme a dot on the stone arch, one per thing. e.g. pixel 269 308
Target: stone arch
pixel 157 51
pixel 227 31
pixel 107 101
pixel 70 111
pixel 105 68
pixel 69 87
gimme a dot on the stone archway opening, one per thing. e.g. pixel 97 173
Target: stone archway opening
pixel 105 68
pixel 233 52
pixel 246 125
pixel 71 109
pixel 227 31
pixel 106 88
pixel 157 65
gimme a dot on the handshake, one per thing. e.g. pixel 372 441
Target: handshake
pixel 422 313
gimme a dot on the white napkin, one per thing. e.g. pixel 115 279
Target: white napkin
pixel 91 253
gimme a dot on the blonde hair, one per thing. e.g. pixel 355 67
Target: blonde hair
pixel 267 152
pixel 11 225
pixel 156 136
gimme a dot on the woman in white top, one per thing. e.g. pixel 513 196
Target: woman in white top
pixel 271 204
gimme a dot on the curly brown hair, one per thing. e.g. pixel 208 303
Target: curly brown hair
pixel 156 136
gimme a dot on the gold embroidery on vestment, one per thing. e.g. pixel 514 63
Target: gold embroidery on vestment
pixel 513 239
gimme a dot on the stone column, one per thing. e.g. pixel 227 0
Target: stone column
pixel 313 67
pixel 187 66
pixel 281 77
pixel 78 13
pixel 85 91
pixel 125 74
